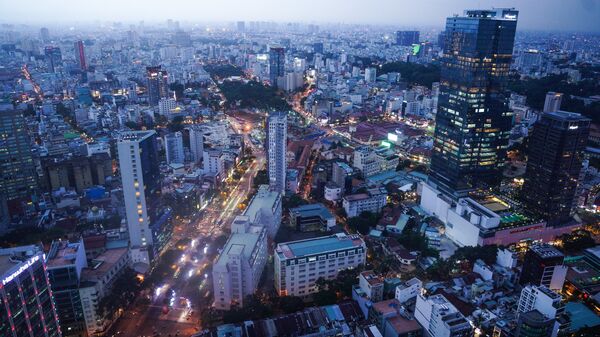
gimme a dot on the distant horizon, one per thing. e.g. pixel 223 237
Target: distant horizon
pixel 535 15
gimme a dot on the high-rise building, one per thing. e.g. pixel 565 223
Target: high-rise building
pixel 241 26
pixel 196 143
pixel 80 55
pixel 298 264
pixel 276 147
pixel 543 265
pixel 276 64
pixel 158 84
pixel 140 175
pixel 238 269
pixel 28 302
pixel 53 58
pixel 555 158
pixel 18 176
pixel 370 75
pixel 174 148
pixel 45 34
pixel 407 37
pixel 65 262
pixel 473 122
pixel 553 101
pixel 534 324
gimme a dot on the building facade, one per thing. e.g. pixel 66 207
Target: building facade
pixel 140 175
pixel 174 148
pixel 26 294
pixel 276 150
pixel 276 64
pixel 298 264
pixel 440 318
pixel 157 80
pixel 473 121
pixel 555 157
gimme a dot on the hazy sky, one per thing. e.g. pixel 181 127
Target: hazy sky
pixel 580 15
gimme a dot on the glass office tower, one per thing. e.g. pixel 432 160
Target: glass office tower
pixel 473 120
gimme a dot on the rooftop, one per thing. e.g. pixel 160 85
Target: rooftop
pixel 102 264
pixel 312 210
pixel 63 253
pixel 12 257
pixel 238 244
pixel 319 245
pixel 135 136
pixel 264 199
pixel 546 251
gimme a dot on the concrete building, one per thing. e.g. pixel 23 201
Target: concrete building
pixel 276 149
pixel 371 201
pixel 196 143
pixel 313 217
pixel 174 148
pixel 21 269
pixel 440 318
pixel 545 301
pixel 543 266
pixel 408 290
pixel 140 175
pixel 65 261
pixel 240 265
pixel 214 162
pixel 552 101
pixel 368 291
pixel 367 161
pixel 298 264
pixel 265 210
pixel 166 105
pixel 97 281
pixel 341 175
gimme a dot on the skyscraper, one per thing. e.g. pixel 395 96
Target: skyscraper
pixel 80 55
pixel 555 158
pixel 473 122
pixel 553 101
pixel 18 182
pixel 276 147
pixel 158 84
pixel 53 58
pixel 28 303
pixel 407 37
pixel 140 175
pixel 276 64
pixel 45 34
pixel 174 148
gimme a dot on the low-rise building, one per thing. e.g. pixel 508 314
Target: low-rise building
pixel 313 217
pixel 372 201
pixel 298 264
pixel 408 290
pixel 440 318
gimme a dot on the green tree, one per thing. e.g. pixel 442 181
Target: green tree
pixel 290 304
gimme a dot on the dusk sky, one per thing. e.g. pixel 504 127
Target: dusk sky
pixel 576 15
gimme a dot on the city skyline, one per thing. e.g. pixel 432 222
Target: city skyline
pixel 552 15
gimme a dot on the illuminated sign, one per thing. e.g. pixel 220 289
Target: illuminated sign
pixel 386 143
pixel 21 269
pixel 573 127
pixel 392 137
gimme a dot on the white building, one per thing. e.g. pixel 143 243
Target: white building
pixel 174 148
pixel 372 285
pixel 214 162
pixel 440 318
pixel 408 290
pixel 276 150
pixel 138 160
pixel 544 300
pixel 370 75
pixel 332 192
pixel 196 143
pixel 553 101
pixel 265 210
pixel 166 105
pixel 367 161
pixel 238 269
pixel 371 201
pixel 298 264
